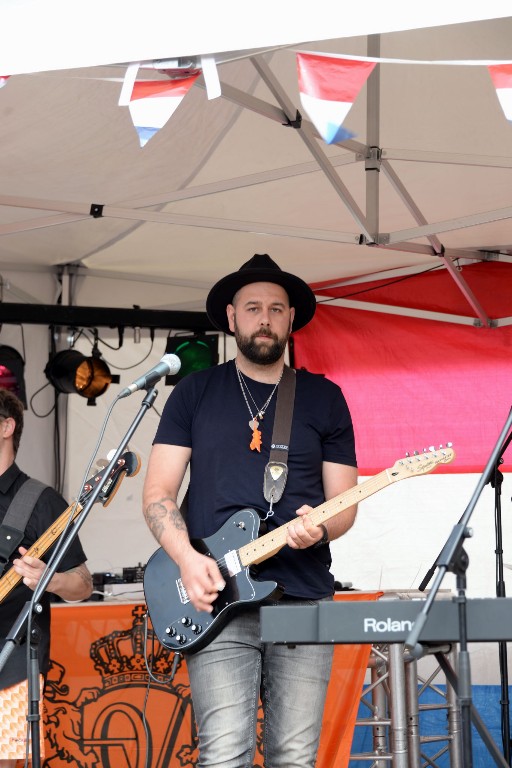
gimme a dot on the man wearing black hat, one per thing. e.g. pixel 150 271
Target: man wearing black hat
pixel 221 423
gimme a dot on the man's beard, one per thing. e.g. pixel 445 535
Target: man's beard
pixel 260 353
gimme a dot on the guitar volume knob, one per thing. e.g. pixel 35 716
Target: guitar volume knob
pixel 181 639
pixel 186 621
pixel 196 629
pixel 171 631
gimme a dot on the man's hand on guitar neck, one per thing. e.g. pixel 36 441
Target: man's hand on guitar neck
pixel 302 533
pixel 73 585
pixel 201 578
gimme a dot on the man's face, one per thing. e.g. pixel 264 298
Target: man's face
pixel 261 319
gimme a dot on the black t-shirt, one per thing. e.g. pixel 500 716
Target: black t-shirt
pixel 207 412
pixel 48 508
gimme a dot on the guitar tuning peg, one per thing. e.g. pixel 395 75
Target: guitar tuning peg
pixel 431 448
pixel 449 445
pixel 407 454
pixel 416 453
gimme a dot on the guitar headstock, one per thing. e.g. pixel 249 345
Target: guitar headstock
pixel 421 463
pixel 127 464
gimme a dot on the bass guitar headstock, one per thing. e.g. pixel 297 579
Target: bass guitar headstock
pixel 128 464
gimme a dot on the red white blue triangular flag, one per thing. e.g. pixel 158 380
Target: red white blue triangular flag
pixel 152 103
pixel 3 80
pixel 328 87
pixel 501 75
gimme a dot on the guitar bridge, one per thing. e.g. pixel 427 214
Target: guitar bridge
pixel 182 592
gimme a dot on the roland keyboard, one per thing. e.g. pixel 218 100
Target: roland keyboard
pixel 385 621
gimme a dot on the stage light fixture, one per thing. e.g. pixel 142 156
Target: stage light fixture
pixel 12 372
pixel 71 372
pixel 196 352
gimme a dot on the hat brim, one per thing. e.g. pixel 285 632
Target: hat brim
pixel 299 293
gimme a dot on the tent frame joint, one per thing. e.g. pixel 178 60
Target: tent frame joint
pixel 96 211
pixel 477 323
pixel 297 123
pixel 490 255
pixel 365 240
pixel 373 159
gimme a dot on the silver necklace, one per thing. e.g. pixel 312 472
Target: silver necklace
pixel 259 413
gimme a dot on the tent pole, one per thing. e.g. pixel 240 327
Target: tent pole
pixel 373 157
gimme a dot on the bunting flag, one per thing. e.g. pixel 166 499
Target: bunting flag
pixel 501 75
pixel 328 87
pixel 152 103
pixel 3 80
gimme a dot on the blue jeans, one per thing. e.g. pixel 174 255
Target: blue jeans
pixel 227 679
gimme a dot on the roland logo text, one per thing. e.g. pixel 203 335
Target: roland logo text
pixel 387 625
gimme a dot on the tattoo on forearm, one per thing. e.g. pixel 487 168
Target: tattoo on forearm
pixel 157 514
pixel 84 574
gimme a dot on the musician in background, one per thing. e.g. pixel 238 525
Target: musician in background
pixel 73 582
pixel 220 421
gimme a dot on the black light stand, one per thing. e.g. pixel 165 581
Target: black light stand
pixel 19 629
pixel 454 558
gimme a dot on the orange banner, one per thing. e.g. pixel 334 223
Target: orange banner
pixel 101 710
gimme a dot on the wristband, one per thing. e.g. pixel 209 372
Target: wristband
pixel 324 539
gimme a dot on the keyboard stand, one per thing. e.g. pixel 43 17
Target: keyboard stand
pixel 393 699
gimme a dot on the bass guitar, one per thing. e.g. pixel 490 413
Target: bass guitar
pixel 236 547
pixel 127 464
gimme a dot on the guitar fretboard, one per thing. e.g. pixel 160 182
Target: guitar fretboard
pixel 264 547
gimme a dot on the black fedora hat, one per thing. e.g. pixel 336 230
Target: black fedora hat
pixel 260 269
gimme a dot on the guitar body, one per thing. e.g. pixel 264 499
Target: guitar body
pixel 177 625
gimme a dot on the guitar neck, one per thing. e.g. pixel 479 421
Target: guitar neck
pixel 265 546
pixel 42 545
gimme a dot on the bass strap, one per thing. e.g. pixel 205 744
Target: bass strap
pixel 276 471
pixel 17 516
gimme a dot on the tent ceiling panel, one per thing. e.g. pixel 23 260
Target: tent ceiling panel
pixel 224 179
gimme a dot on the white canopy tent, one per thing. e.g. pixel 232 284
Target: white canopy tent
pixel 425 180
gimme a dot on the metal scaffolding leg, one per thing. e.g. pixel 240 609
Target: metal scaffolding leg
pixel 380 709
pixel 379 721
pixel 450 703
pixel 413 713
pixel 397 706
pixel 396 688
pixel 454 717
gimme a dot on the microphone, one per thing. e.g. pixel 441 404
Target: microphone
pixel 168 366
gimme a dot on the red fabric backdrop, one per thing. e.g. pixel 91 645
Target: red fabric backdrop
pixel 414 383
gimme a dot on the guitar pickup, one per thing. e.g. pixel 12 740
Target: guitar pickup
pixel 232 562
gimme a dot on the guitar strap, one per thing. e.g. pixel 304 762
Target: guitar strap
pixel 276 471
pixel 17 516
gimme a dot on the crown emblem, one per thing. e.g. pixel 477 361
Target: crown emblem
pixel 119 657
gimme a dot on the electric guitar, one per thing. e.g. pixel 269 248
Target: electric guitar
pixel 235 547
pixel 127 464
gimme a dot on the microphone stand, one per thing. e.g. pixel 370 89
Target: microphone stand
pixel 454 558
pixel 496 481
pixel 19 628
